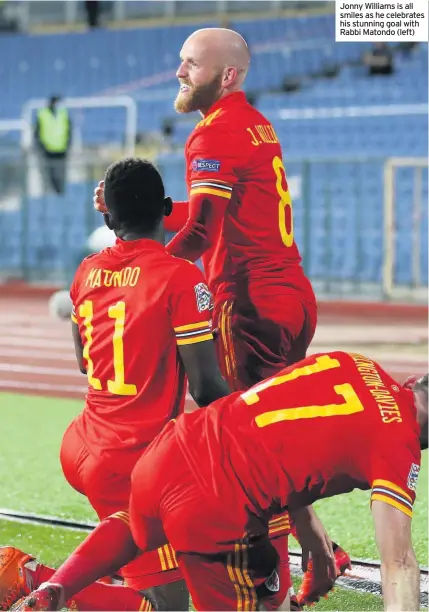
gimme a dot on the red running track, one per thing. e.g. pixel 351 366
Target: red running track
pixel 37 355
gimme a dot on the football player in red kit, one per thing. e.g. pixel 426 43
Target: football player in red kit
pixel 141 324
pixel 212 479
pixel 239 221
pixel 240 215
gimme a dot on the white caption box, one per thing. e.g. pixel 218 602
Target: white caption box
pixel 381 21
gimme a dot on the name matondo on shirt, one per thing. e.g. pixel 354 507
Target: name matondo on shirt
pixel 127 277
pixel 386 403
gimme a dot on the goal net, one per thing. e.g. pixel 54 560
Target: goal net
pixel 98 122
pixel 405 261
pixel 42 233
pixel 105 126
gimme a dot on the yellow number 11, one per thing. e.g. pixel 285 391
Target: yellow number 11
pixel 118 385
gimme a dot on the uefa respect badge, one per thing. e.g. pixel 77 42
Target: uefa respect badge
pixel 206 165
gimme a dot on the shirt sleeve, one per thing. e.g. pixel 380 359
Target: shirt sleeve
pixel 191 306
pixel 216 158
pixel 395 478
pixel 73 296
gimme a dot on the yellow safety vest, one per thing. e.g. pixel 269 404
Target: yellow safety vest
pixel 54 129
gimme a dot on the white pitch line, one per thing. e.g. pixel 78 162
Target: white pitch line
pixel 42 332
pixel 43 356
pixel 384 357
pixel 35 342
pixel 30 320
pixel 37 386
pixel 45 371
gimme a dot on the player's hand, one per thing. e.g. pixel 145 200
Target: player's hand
pixel 319 553
pixel 98 199
pixel 316 548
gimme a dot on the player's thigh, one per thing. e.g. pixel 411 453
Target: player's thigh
pixel 281 544
pixel 156 573
pixel 242 579
pixel 105 481
pixel 296 347
pixel 107 491
pixel 255 341
pixel 73 457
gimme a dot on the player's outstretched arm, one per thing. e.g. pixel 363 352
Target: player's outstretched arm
pixel 316 543
pixel 78 347
pixel 202 228
pixel 400 574
pixel 206 384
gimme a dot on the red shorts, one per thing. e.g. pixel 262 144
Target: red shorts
pixel 106 482
pixel 255 340
pixel 222 547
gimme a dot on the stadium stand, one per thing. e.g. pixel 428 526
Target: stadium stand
pixel 336 133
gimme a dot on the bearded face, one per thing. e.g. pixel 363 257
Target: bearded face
pixel 194 97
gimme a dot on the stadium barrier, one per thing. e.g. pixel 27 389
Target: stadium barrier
pixel 341 223
pixel 353 245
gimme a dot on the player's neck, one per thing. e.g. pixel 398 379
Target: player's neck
pixel 129 235
pixel 224 94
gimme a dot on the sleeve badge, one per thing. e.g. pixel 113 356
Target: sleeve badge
pixel 413 476
pixel 204 297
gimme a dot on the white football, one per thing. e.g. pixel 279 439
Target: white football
pixel 60 305
pixel 100 239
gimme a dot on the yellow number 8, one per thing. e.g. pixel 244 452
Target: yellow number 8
pixel 285 202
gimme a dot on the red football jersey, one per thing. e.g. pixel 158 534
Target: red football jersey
pixel 134 304
pixel 234 153
pixel 324 426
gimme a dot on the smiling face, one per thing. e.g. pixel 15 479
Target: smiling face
pixel 200 77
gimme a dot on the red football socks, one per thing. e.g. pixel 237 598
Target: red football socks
pixel 102 553
pixel 97 596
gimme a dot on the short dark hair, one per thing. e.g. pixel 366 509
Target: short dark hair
pixel 134 194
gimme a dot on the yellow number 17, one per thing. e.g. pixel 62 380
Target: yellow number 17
pixel 351 404
pixel 118 385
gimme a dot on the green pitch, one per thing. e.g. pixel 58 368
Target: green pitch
pixel 31 481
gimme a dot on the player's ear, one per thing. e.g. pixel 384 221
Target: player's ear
pixel 108 221
pixel 229 76
pixel 168 207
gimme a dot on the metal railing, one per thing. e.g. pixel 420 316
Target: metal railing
pixel 35 13
pixel 340 222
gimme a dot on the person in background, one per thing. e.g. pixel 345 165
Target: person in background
pixel 92 8
pixel 52 134
pixel 379 60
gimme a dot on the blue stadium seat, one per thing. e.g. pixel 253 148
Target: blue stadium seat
pixel 336 197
